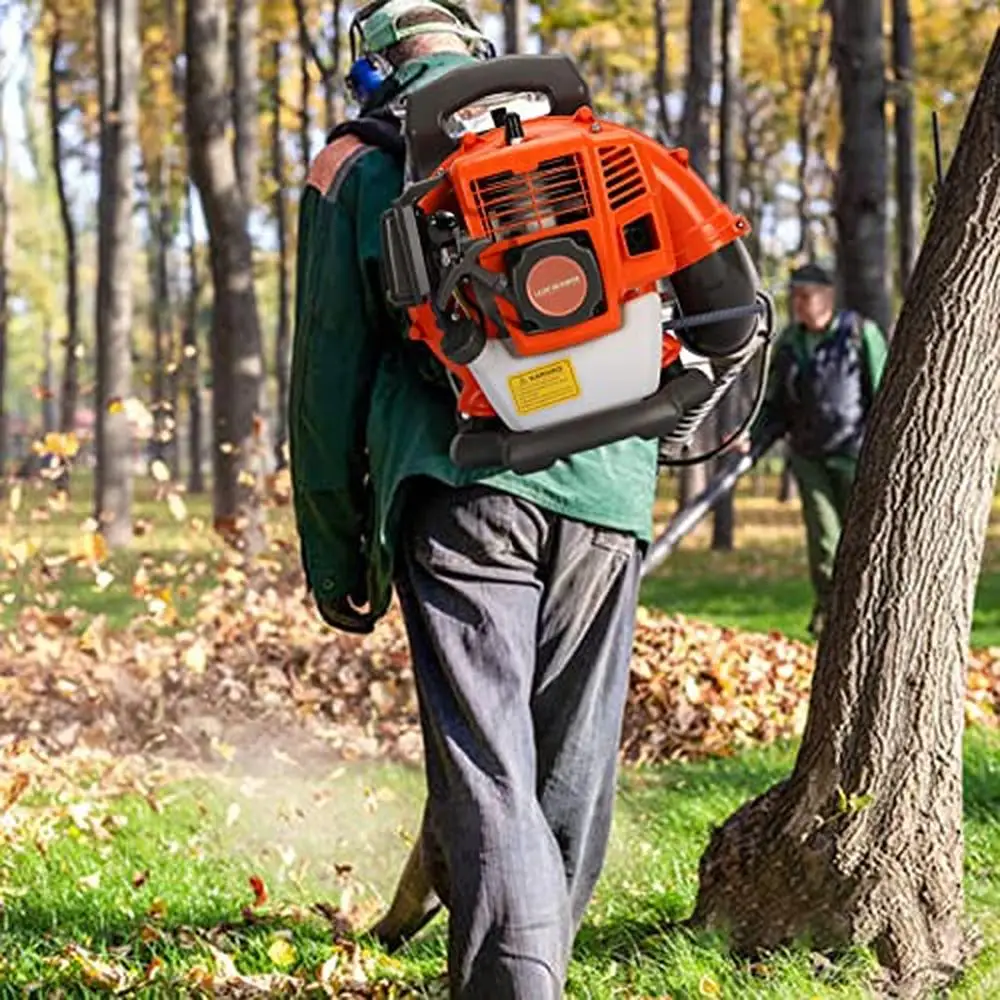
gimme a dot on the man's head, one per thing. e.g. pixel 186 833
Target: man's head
pixel 812 296
pixel 403 30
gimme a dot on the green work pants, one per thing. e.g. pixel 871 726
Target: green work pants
pixel 825 489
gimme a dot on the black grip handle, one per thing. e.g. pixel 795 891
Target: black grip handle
pixel 427 108
pixel 531 451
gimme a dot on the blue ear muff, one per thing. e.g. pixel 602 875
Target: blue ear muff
pixel 365 77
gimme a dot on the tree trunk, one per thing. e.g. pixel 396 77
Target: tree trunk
pixel 727 415
pixel 305 145
pixel 907 180
pixel 332 93
pixel 71 365
pixel 810 77
pixel 695 138
pixel 47 389
pixel 862 184
pixel 282 344
pixel 695 129
pixel 119 57
pixel 515 24
pixel 6 256
pixel 160 226
pixel 661 80
pixel 329 70
pixel 862 844
pixel 192 362
pixel 246 97
pixel 236 342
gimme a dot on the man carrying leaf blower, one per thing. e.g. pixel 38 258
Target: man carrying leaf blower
pixel 827 367
pixel 457 432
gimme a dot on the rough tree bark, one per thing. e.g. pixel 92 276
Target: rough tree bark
pixel 283 340
pixel 236 342
pixel 661 78
pixel 192 358
pixel 695 137
pixel 907 171
pixel 862 179
pixel 119 56
pixel 727 416
pixel 515 25
pixel 71 365
pixel 862 844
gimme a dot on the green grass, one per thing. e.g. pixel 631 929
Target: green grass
pixel 764 586
pixel 295 824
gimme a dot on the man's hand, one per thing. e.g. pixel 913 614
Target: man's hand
pixel 741 446
pixel 348 614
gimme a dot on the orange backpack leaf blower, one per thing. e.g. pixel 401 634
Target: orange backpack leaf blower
pixel 531 259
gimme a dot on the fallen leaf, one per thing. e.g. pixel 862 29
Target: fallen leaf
pixel 15 790
pixel 176 506
pixel 89 881
pixel 259 890
pixel 282 953
pixel 96 972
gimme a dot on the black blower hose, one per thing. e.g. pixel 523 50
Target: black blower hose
pixel 724 280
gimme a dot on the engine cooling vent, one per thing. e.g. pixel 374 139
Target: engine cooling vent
pixel 553 194
pixel 621 175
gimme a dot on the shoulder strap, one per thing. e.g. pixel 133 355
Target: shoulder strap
pixel 381 129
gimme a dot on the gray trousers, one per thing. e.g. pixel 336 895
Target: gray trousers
pixel 520 624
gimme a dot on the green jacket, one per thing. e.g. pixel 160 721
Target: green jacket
pixel 363 417
pixel 821 414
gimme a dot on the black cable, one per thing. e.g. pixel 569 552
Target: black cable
pixel 683 463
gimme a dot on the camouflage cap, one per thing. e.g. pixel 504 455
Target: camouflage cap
pixel 398 20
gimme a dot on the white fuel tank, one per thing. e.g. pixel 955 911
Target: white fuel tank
pixel 545 389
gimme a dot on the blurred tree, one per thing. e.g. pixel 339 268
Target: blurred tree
pixel 70 393
pixel 6 255
pixel 696 138
pixel 246 96
pixel 728 414
pixel 283 339
pixel 904 123
pixel 236 341
pixel 515 23
pixel 862 170
pixel 119 59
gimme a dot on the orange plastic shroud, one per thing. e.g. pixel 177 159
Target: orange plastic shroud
pixel 578 175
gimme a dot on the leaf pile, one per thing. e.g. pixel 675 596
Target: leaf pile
pixel 254 653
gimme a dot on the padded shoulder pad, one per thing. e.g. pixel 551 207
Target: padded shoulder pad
pixel 328 169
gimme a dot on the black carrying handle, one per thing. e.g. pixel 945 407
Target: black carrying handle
pixel 532 451
pixel 427 108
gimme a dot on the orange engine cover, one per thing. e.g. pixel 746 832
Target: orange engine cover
pixel 637 206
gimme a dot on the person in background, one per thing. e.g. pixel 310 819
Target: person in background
pixel 826 370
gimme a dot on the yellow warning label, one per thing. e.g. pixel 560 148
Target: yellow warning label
pixel 543 387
